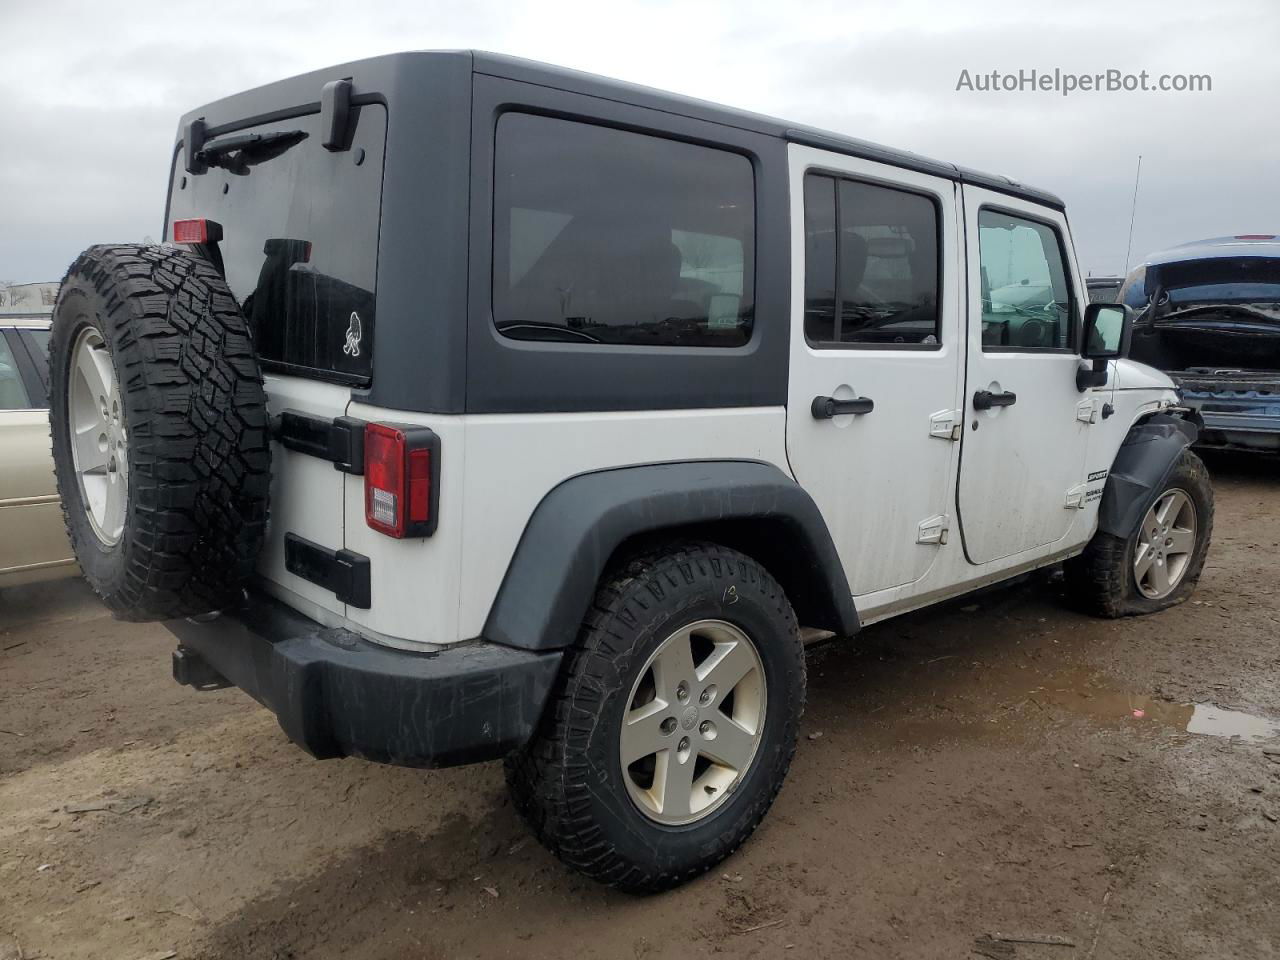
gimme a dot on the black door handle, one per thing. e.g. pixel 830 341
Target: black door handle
pixel 824 408
pixel 985 399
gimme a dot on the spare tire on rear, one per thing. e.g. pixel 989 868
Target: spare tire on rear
pixel 160 430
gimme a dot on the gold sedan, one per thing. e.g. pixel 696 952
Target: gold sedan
pixel 33 541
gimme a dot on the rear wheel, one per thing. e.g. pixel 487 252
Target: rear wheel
pixel 1159 563
pixel 159 427
pixel 674 724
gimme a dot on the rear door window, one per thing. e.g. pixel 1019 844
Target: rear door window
pixel 871 265
pixel 607 236
pixel 300 240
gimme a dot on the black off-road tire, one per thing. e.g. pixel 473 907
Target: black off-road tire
pixel 1101 580
pixel 567 782
pixel 193 405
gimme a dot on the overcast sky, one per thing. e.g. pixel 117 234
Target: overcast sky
pixel 90 94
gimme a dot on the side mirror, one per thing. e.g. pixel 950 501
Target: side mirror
pixel 1108 328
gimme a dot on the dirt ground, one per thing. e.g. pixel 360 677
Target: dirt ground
pixel 999 766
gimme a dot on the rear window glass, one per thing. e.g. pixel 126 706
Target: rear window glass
pixel 606 236
pixel 300 241
pixel 871 265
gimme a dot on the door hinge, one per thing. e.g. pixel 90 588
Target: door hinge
pixel 934 530
pixel 1086 411
pixel 1075 497
pixel 945 425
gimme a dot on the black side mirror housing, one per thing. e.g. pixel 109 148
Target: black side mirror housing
pixel 1108 330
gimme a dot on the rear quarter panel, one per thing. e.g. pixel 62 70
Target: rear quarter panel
pixel 495 469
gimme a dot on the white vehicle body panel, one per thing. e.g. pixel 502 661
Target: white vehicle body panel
pixel 851 464
pixel 1025 471
pixel 876 478
pixel 495 469
pixel 1018 462
pixel 306 496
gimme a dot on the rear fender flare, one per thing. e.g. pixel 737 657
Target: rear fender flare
pixel 579 525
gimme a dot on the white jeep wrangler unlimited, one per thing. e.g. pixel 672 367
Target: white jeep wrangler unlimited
pixel 477 408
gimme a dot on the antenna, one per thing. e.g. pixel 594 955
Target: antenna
pixel 1132 213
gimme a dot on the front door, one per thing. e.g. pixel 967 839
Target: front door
pixel 1026 423
pixel 876 356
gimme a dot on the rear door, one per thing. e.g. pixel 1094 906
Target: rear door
pixel 32 535
pixel 299 227
pixel 1027 426
pixel 875 363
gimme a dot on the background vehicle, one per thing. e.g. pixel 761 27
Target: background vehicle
pixel 33 540
pixel 571 403
pixel 1103 289
pixel 1211 320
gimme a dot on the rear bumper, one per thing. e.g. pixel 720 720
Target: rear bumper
pixel 336 694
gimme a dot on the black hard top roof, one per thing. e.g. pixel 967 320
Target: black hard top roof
pixel 576 81
pixel 399 71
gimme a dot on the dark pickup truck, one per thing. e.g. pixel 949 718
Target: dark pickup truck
pixel 1209 316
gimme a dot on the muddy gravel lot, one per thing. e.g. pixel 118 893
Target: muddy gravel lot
pixel 972 778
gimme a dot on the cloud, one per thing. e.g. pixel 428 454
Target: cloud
pixel 93 92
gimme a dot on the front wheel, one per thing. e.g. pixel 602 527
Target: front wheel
pixel 674 723
pixel 1159 563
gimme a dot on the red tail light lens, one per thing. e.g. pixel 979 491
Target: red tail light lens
pixel 401 479
pixel 197 231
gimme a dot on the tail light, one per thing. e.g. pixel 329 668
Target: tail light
pixel 401 479
pixel 197 231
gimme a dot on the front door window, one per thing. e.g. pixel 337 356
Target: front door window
pixel 1026 300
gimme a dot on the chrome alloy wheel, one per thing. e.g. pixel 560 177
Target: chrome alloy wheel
pixel 694 721
pixel 1166 543
pixel 99 444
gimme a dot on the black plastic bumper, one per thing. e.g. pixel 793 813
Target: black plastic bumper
pixel 338 695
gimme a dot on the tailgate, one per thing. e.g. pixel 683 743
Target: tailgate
pixel 296 235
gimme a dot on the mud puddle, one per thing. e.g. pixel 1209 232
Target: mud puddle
pixel 1087 697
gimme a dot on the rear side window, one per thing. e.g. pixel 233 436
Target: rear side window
pixel 13 393
pixel 871 265
pixel 607 236
pixel 37 343
pixel 300 240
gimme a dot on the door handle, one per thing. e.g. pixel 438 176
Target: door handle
pixel 824 408
pixel 985 399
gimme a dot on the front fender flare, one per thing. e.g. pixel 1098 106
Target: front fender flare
pixel 579 524
pixel 1142 465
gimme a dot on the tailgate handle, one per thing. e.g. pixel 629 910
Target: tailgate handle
pixel 824 408
pixel 985 399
